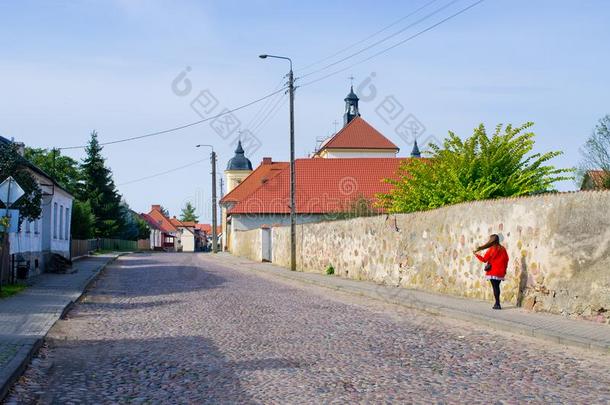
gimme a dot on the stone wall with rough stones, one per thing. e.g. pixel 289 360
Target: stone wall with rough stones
pixel 559 248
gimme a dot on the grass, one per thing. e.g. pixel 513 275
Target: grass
pixel 9 290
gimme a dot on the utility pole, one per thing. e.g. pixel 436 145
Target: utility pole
pixel 293 232
pixel 214 201
pixel 214 210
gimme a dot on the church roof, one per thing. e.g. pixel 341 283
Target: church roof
pixel 323 186
pixel 239 161
pixel 358 134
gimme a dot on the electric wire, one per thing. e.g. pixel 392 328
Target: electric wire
pixel 133 138
pixel 163 173
pixel 347 48
pixel 461 11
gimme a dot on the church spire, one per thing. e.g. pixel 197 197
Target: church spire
pixel 415 151
pixel 351 107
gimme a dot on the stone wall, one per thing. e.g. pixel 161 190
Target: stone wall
pixel 558 244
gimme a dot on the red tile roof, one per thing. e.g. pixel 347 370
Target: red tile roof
pixel 358 134
pixel 162 222
pixel 323 186
pixel 263 173
pixel 207 228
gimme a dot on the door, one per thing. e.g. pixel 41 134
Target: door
pixel 266 244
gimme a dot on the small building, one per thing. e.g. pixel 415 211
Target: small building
pixel 185 236
pixel 162 232
pixel 38 240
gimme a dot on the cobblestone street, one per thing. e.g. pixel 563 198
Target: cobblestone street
pixel 180 328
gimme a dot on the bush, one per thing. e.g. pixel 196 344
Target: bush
pixel 330 270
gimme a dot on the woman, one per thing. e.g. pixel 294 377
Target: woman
pixel 497 258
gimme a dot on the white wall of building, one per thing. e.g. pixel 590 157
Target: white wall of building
pixel 333 154
pixel 246 222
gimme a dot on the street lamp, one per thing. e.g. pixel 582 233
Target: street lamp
pixel 214 213
pixel 293 234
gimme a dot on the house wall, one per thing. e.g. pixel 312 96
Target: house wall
pixel 246 222
pixel 36 240
pixel 248 244
pixel 186 239
pixel 357 153
pixel 558 244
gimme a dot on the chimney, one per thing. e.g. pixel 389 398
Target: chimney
pixel 267 161
pixel 155 207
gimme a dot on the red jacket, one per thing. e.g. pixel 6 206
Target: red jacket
pixel 498 258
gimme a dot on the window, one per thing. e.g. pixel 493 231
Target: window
pixel 61 222
pixel 54 220
pixel 36 224
pixel 67 226
pixel 28 225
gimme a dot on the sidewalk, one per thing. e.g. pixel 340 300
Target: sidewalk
pixel 25 318
pixel 550 327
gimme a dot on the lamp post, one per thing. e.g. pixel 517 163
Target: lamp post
pixel 293 234
pixel 214 210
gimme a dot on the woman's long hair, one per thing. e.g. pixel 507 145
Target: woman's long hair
pixel 494 240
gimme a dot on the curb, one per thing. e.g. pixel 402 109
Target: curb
pixel 439 310
pixel 22 359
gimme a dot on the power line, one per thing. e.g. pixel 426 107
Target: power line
pixel 395 45
pixel 264 107
pixel 165 172
pixel 133 138
pixel 367 38
pixel 270 114
pixel 381 40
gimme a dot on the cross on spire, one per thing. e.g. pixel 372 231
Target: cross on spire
pixel 335 123
pixel 351 80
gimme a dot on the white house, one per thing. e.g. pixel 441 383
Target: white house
pixel 38 240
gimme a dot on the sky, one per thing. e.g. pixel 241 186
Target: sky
pixel 127 68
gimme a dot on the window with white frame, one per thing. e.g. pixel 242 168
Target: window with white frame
pixel 61 222
pixel 54 220
pixel 67 226
pixel 36 225
pixel 28 228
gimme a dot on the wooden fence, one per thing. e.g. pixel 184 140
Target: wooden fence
pixel 85 247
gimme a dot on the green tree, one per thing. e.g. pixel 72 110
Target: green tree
pixel 63 169
pixel 188 213
pixel 596 151
pixel 13 164
pixel 83 220
pixel 134 227
pixel 480 167
pixel 99 189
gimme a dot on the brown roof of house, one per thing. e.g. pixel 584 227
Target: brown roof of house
pixel 358 134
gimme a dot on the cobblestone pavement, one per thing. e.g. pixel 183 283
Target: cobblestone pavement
pixel 178 328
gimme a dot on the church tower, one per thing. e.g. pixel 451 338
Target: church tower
pixel 238 168
pixel 351 107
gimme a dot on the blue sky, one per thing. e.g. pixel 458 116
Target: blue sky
pixel 69 67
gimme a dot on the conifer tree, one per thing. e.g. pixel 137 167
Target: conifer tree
pixel 99 189
pixel 188 213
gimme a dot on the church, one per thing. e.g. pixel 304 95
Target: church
pixel 348 166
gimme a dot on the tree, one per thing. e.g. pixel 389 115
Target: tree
pixel 83 220
pixel 13 164
pixel 188 213
pixel 596 151
pixel 99 189
pixel 480 167
pixel 134 227
pixel 63 169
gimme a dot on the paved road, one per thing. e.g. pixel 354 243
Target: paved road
pixel 177 328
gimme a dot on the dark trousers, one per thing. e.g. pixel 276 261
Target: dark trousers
pixel 495 284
